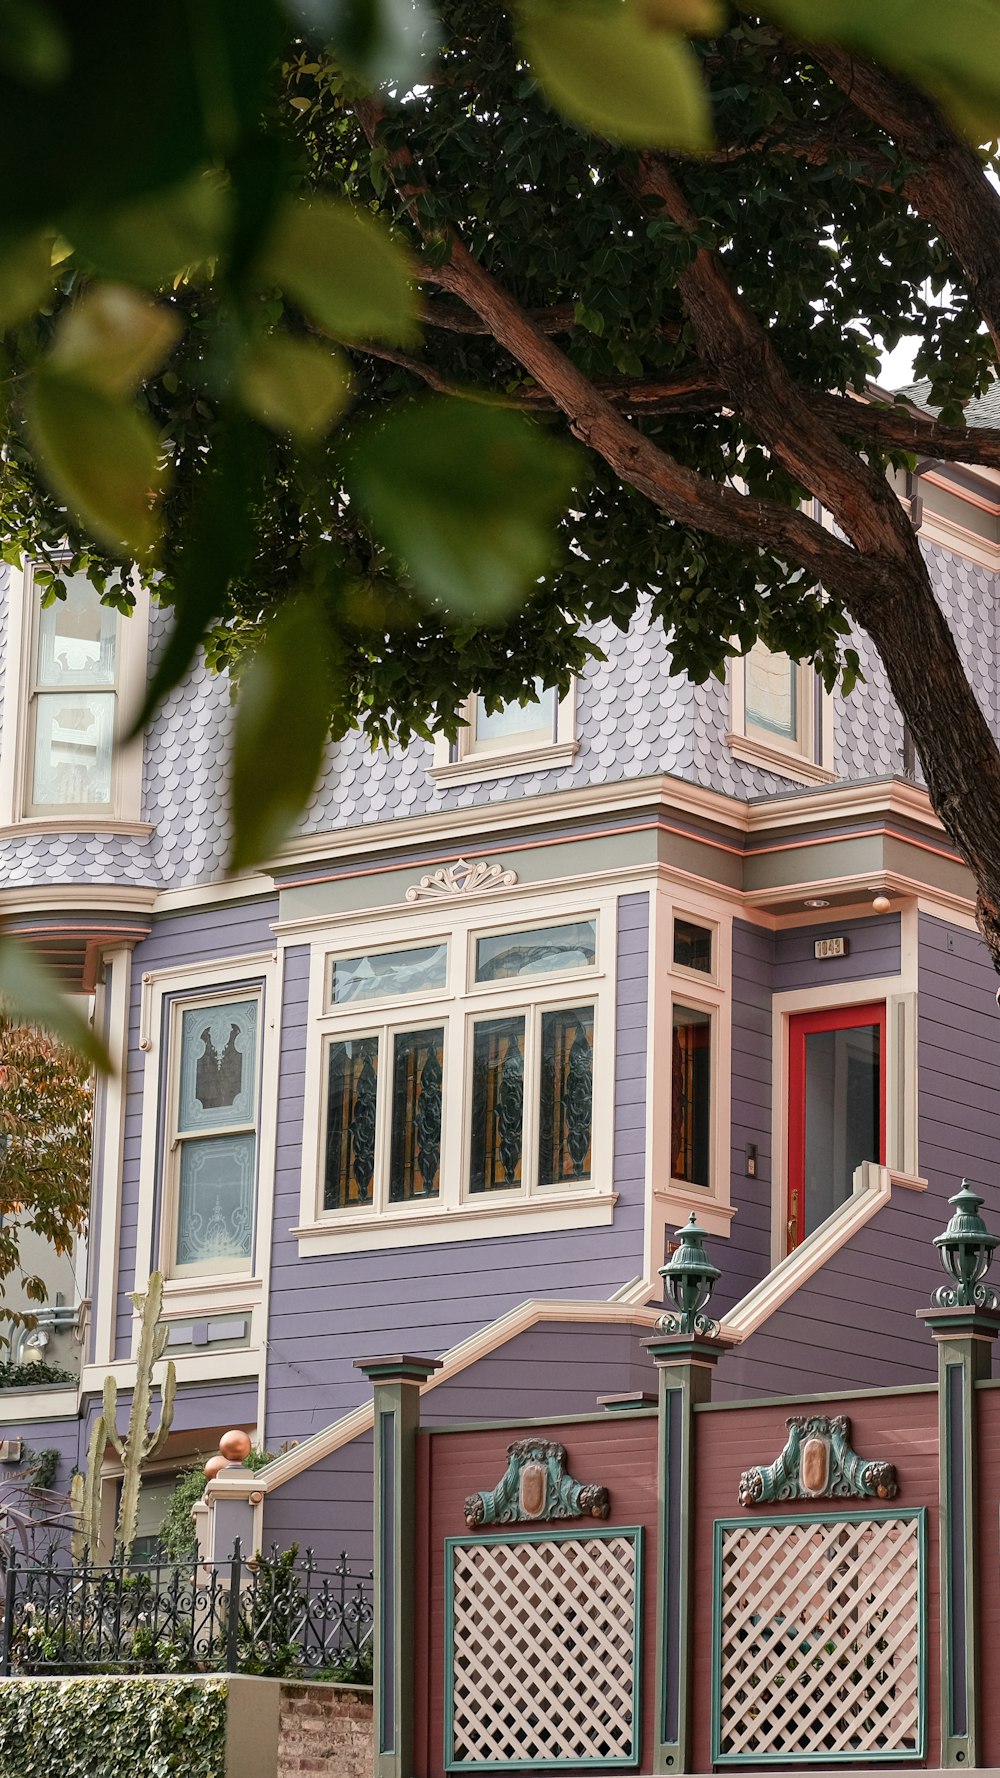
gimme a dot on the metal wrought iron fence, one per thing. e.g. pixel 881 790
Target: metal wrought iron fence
pixel 280 1614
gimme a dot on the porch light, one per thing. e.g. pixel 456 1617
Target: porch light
pixel 689 1277
pixel 966 1250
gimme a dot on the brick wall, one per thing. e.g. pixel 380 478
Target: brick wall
pixel 325 1731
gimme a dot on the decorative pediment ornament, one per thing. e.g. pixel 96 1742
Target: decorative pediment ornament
pixel 461 878
pixel 536 1486
pixel 818 1463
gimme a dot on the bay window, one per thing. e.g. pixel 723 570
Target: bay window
pixel 481 1098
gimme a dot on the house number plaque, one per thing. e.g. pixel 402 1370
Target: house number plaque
pixel 831 947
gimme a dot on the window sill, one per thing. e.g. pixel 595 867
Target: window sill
pixel 677 1201
pixel 74 822
pixel 465 1222
pixel 53 1401
pixel 504 765
pixel 774 759
pixel 189 1296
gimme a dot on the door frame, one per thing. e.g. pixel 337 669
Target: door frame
pixel 800 1026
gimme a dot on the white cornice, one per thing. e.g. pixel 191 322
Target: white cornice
pixel 102 898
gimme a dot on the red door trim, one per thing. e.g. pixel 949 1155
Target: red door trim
pixel 800 1026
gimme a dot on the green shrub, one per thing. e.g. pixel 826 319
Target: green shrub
pixel 105 1728
pixel 32 1376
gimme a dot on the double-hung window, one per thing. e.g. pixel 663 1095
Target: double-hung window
pixel 458 1073
pixel 211 1167
pixel 514 737
pixel 781 718
pixel 73 703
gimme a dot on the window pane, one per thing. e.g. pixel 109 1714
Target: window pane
pixel 415 1163
pixel 352 1092
pixel 567 1095
pixel 218 1066
pixel 692 946
pixel 377 974
pixel 73 737
pixel 515 721
pixel 497 1104
pixel 770 692
pixel 690 1087
pixel 215 1200
pixel 843 1115
pixel 76 638
pixel 547 948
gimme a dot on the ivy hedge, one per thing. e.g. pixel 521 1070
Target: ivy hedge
pixel 102 1728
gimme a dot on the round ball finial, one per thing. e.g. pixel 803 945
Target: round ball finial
pixel 216 1465
pixel 235 1445
pixel 881 904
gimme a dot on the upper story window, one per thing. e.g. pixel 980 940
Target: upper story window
pixel 781 718
pixel 210 1176
pixel 517 737
pixel 72 666
pixel 73 702
pixel 467 1076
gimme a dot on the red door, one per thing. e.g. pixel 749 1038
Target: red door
pixel 836 1109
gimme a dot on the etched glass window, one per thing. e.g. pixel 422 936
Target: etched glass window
pixel 771 693
pixel 351 1122
pixel 541 951
pixel 515 723
pixel 377 975
pixel 497 1104
pixel 215 1136
pixel 73 701
pixel 566 1099
pixel 690 1096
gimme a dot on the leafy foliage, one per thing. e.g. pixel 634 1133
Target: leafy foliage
pixel 45 1134
pixel 100 1728
pixel 32 1376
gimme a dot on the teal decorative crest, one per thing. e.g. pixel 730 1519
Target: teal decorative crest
pixel 535 1486
pixel 818 1463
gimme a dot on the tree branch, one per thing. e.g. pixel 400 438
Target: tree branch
pixel 693 391
pixel 680 493
pixel 949 188
pixel 895 427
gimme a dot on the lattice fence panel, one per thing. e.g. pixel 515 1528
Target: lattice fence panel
pixel 818 1639
pixel 544 1651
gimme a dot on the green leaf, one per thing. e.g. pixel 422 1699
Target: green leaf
pixel 25 277
pixel 113 338
pixel 100 456
pixel 31 994
pixel 33 46
pixel 150 241
pixel 382 40
pixel 296 386
pixel 612 69
pixel 466 496
pixel 343 269
pixel 282 727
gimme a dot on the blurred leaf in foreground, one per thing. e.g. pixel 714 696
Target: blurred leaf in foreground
pixel 31 995
pixel 282 726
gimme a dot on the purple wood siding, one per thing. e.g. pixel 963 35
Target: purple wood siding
pixel 745 1257
pixel 174 942
pixel 62 1435
pixel 550 1371
pixel 873 950
pixel 326 1311
pixel 853 1323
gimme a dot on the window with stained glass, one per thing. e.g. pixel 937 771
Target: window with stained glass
pixel 566 1098
pixel 73 702
pixel 690 1096
pixel 214 1136
pixel 374 1112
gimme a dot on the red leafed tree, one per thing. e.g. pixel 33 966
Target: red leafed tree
pixel 45 1135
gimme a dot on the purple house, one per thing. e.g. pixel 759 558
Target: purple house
pixel 447 1077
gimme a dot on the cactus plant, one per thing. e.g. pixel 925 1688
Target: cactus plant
pixel 138 1445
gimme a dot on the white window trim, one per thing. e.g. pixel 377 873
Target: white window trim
pixel 899 994
pixel 509 759
pixel 189 1293
pixel 672 1200
pixel 457 1214
pixel 810 762
pixel 123 814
